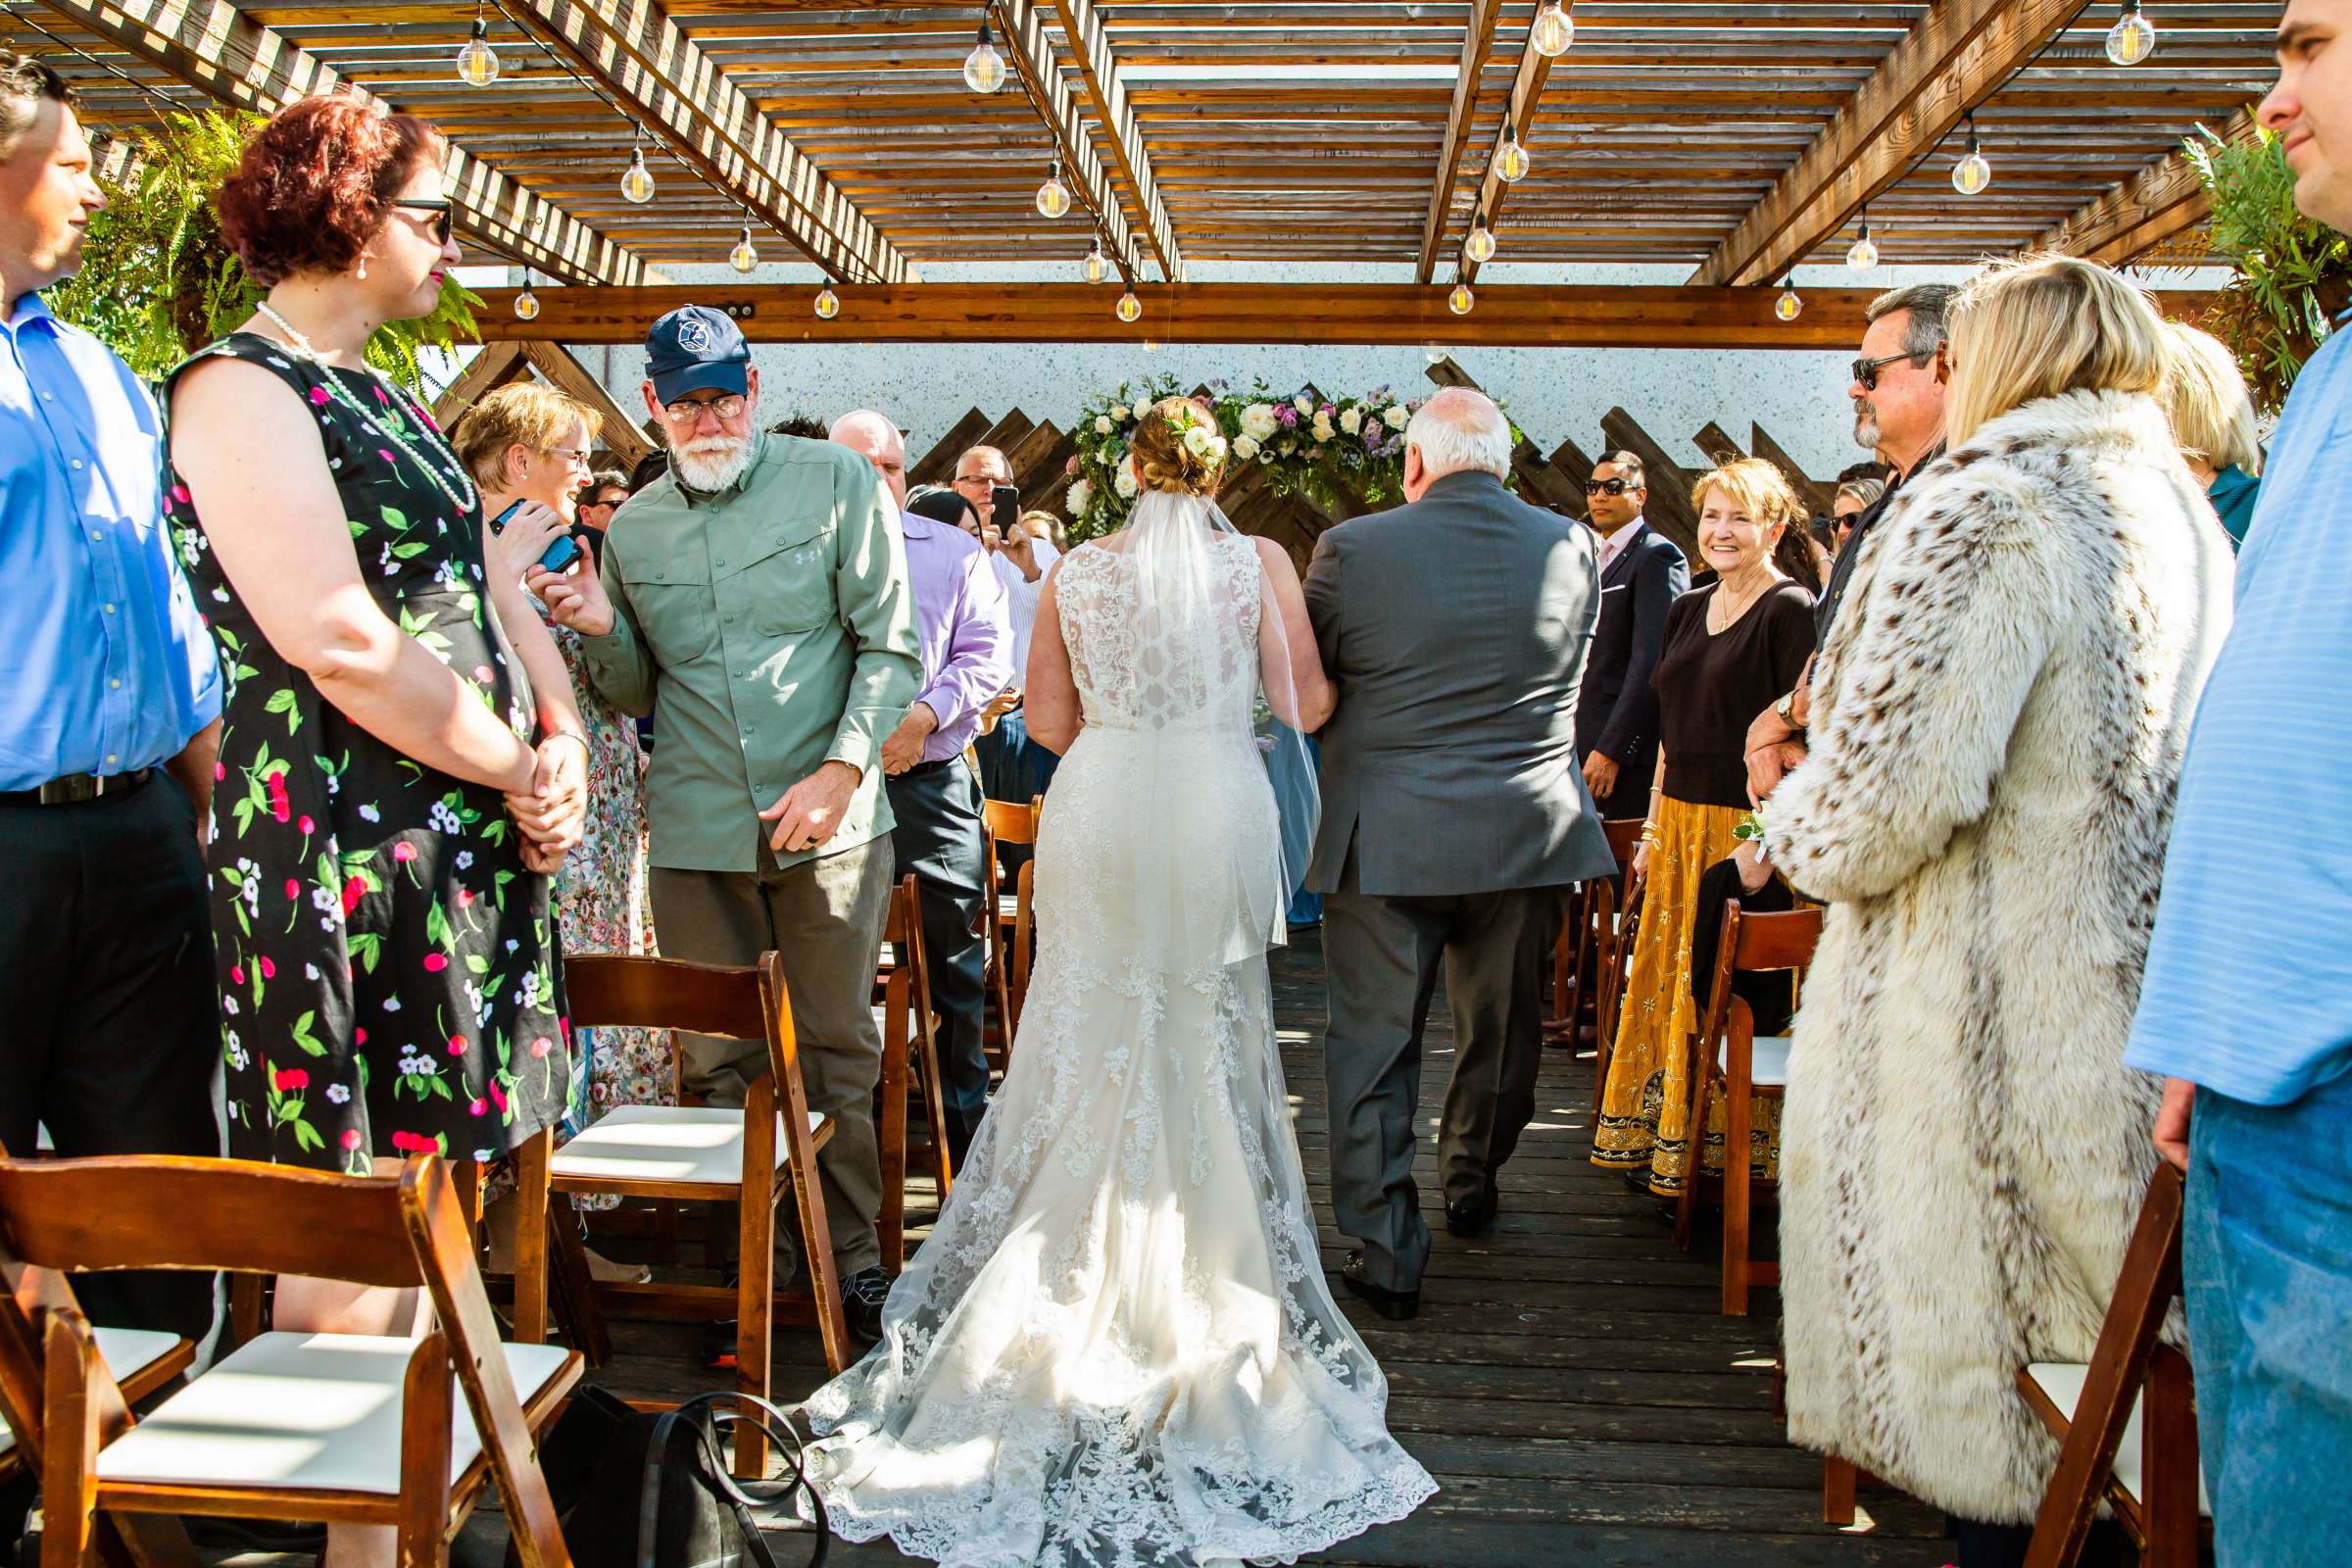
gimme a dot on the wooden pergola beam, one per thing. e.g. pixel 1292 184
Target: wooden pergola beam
pixel 2142 212
pixel 1959 53
pixel 637 53
pixel 1033 60
pixel 213 47
pixel 1099 75
pixel 1566 315
pixel 1478 41
pixel 1519 113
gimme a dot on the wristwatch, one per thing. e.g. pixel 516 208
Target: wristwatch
pixel 1786 708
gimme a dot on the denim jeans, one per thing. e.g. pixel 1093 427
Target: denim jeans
pixel 2267 1266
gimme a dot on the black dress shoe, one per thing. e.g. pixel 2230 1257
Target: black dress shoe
pixel 1474 1216
pixel 863 1295
pixel 1394 1306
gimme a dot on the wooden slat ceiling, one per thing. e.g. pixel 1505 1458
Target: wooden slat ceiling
pixel 1282 130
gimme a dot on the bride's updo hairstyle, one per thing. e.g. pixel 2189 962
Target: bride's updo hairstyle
pixel 1177 447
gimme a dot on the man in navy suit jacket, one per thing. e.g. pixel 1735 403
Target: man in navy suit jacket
pixel 1642 573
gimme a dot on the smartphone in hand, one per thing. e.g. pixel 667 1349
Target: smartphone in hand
pixel 562 551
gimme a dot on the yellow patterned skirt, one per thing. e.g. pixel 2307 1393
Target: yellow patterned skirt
pixel 1645 1107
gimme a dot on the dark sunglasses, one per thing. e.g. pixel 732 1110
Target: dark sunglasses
pixel 443 225
pixel 1609 487
pixel 1866 371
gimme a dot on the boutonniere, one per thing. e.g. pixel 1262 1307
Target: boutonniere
pixel 1750 829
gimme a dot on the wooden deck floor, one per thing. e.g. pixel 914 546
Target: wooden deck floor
pixel 1569 1382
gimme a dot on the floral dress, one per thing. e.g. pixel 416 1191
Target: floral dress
pixel 388 969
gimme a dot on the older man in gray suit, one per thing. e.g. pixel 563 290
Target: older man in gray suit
pixel 1453 818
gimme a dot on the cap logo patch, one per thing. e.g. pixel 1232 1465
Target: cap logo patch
pixel 694 336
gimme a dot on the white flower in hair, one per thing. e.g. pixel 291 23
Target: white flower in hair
pixel 1103 425
pixel 1219 446
pixel 1397 416
pixel 1080 497
pixel 1351 420
pixel 1197 439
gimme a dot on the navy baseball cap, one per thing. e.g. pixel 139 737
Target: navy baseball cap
pixel 696 349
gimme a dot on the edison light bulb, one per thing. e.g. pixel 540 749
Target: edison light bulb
pixel 1460 300
pixel 1788 307
pixel 1130 308
pixel 1970 175
pixel 1865 252
pixel 2132 38
pixel 984 67
pixel 1480 246
pixel 1511 159
pixel 478 62
pixel 637 180
pixel 1052 197
pixel 1097 265
pixel 828 304
pixel 744 256
pixel 1552 31
pixel 527 302
pixel 1151 345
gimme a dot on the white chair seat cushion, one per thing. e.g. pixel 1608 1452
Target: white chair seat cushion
pixel 2062 1381
pixel 1767 1059
pixel 307 1412
pixel 128 1353
pixel 700 1145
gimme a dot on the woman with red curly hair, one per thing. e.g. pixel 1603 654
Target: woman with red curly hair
pixel 400 759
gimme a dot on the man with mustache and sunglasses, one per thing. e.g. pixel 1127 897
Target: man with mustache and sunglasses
pixel 1898 391
pixel 1641 573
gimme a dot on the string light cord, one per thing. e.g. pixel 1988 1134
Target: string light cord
pixel 1078 190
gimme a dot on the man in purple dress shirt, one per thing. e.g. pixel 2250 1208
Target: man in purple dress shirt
pixel 966 636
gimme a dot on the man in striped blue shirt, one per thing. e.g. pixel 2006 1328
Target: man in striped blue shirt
pixel 2248 1002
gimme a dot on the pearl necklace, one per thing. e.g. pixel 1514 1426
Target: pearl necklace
pixel 342 394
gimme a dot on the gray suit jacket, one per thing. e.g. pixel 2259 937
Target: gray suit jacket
pixel 1457 629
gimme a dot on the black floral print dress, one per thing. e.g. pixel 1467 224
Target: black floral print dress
pixel 389 976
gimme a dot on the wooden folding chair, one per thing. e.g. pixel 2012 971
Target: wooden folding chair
pixel 1011 923
pixel 2127 1422
pixel 1610 1000
pixel 350 1429
pixel 1587 939
pixel 697 1154
pixel 149 1358
pixel 909 1059
pixel 1728 1052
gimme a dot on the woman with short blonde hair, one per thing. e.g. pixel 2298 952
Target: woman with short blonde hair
pixel 2213 420
pixel 1998 719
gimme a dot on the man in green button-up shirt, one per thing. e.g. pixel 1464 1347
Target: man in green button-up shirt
pixel 757 596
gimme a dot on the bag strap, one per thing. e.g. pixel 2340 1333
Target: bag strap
pixel 730 1409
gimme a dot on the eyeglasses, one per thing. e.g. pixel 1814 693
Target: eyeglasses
pixel 1609 487
pixel 1866 371
pixel 974 479
pixel 442 225
pixel 577 457
pixel 686 410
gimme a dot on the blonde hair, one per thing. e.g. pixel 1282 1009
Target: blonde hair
pixel 518 414
pixel 2043 326
pixel 1756 487
pixel 1163 460
pixel 2205 396
pixel 1047 526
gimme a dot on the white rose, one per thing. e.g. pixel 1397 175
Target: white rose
pixel 1258 421
pixel 1303 404
pixel 1323 432
pixel 1245 447
pixel 1080 497
pixel 1351 420
pixel 1217 445
pixel 1125 483
pixel 1197 439
pixel 1397 416
pixel 1103 425
pixel 1118 411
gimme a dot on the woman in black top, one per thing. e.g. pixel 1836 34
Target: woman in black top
pixel 1731 649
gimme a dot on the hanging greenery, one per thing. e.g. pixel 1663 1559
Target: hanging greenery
pixel 157 282
pixel 2294 274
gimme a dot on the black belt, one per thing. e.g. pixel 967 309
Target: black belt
pixel 76 788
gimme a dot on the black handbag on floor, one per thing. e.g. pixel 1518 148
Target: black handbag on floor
pixel 646 1488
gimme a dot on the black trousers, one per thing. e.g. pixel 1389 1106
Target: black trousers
pixel 110 1035
pixel 938 838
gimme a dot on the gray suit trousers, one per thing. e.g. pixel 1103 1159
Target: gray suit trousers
pixel 1382 958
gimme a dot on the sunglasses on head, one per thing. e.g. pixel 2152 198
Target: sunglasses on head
pixel 442 225
pixel 1609 487
pixel 1866 371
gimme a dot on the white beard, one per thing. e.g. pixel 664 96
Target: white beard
pixel 712 463
pixel 1866 430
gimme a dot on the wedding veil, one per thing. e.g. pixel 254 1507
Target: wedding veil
pixel 1215 861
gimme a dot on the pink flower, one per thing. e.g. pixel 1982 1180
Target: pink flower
pixel 236 974
pixel 292 1078
pixel 269 969
pixel 307 825
pixel 317 397
pixel 352 891
pixel 478 1106
pixel 404 852
pixel 350 1139
pixel 457 1044
pixel 542 1045
pixel 435 963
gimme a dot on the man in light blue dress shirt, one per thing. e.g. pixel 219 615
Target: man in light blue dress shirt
pixel 2248 1002
pixel 110 708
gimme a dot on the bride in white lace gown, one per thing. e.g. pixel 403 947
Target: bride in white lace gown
pixel 1119 1347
